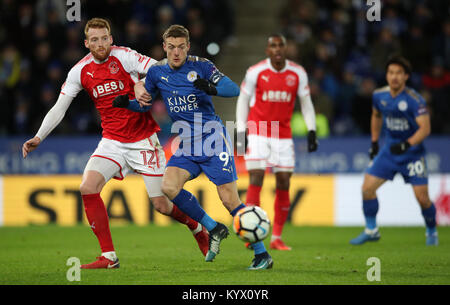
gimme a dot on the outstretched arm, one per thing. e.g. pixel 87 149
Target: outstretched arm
pixel 51 120
pixel 224 88
pixel 227 88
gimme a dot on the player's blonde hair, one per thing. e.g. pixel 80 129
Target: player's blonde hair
pixel 176 31
pixel 97 23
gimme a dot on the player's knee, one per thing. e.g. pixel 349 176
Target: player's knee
pixel 170 189
pixel 87 187
pixel 161 204
pixel 257 177
pixel 368 192
pixel 423 200
pixel 282 184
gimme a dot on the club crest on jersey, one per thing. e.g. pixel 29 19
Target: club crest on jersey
pixel 192 76
pixel 113 67
pixel 290 80
pixel 402 105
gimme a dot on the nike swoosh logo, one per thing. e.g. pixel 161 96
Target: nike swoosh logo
pixel 110 266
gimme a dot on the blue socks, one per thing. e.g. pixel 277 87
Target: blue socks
pixel 234 212
pixel 208 222
pixel 370 209
pixel 430 219
pixel 187 203
pixel 258 247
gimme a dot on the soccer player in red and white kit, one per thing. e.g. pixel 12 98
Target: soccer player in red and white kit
pixel 265 107
pixel 129 142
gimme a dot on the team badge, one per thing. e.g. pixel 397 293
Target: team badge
pixel 113 67
pixel 192 76
pixel 290 80
pixel 402 105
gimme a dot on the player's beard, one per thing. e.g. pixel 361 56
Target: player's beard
pixel 102 54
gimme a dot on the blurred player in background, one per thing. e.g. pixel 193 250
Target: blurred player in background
pixel 269 90
pixel 407 123
pixel 186 84
pixel 129 142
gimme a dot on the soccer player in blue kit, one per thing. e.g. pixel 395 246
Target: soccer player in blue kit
pixel 404 114
pixel 186 84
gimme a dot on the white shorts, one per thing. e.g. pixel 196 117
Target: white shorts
pixel 263 152
pixel 114 159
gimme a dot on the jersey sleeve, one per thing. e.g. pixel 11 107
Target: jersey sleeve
pixel 210 71
pixel 375 103
pixel 303 85
pixel 134 62
pixel 248 85
pixel 72 86
pixel 420 107
pixel 150 82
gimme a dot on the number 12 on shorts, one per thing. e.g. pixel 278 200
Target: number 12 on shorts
pixel 148 161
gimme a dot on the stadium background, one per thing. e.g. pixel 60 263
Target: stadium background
pixel 341 50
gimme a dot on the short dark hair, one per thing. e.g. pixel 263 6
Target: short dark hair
pixel 401 61
pixel 278 35
pixel 176 31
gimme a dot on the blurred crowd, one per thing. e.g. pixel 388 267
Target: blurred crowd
pixel 38 46
pixel 345 55
pixel 342 51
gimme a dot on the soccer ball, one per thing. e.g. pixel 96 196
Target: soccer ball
pixel 251 224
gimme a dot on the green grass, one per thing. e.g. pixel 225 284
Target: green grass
pixel 168 255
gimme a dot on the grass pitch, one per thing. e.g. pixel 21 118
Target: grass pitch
pixel 153 255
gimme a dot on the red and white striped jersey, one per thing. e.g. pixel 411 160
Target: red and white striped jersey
pixel 273 94
pixel 106 80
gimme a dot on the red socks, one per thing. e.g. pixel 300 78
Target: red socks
pixel 253 197
pixel 98 219
pixel 281 206
pixel 179 216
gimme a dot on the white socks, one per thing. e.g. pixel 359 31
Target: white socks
pixel 110 255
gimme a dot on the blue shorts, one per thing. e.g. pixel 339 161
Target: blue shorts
pixel 220 169
pixel 413 169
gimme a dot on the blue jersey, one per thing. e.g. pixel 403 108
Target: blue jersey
pixel 399 116
pixel 205 145
pixel 185 103
pixel 399 122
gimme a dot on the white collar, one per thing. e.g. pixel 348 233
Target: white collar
pixel 275 70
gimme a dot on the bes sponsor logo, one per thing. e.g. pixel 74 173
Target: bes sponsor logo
pixel 276 96
pixel 107 88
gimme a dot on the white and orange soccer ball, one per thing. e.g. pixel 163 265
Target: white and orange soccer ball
pixel 251 224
